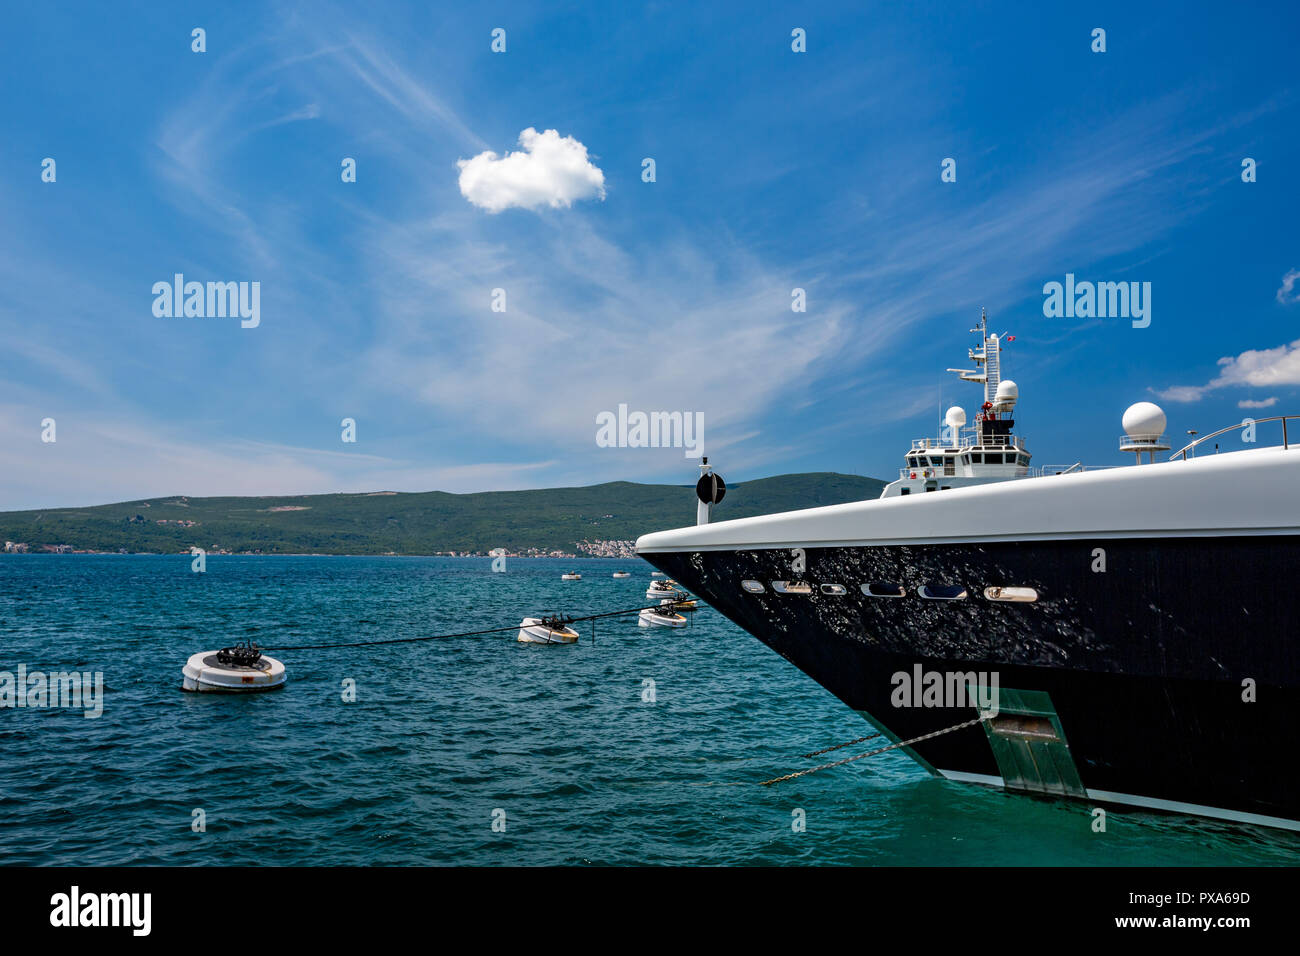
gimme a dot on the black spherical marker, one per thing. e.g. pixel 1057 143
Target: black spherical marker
pixel 710 488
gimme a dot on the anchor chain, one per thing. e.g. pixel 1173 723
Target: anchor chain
pixel 847 743
pixel 872 753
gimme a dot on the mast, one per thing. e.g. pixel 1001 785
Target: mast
pixel 990 422
pixel 992 361
pixel 987 359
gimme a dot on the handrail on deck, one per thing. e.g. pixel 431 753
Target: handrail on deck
pixel 1182 452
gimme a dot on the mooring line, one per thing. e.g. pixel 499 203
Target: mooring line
pixel 438 637
pixel 872 753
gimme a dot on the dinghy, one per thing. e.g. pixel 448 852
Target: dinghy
pixel 622 574
pixel 546 630
pixel 571 576
pixel 660 617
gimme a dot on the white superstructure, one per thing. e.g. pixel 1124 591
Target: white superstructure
pixel 973 454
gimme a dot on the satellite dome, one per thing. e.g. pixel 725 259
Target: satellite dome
pixel 1144 419
pixel 1008 392
pixel 955 416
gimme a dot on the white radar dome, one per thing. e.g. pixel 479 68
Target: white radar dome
pixel 1008 392
pixel 955 416
pixel 1144 418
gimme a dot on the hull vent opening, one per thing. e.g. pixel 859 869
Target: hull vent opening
pixel 1029 745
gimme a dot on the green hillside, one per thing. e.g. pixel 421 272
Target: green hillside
pixel 420 523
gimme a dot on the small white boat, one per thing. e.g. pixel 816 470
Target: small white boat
pixel 546 630
pixel 658 574
pixel 571 576
pixel 660 590
pixel 622 574
pixel 237 670
pixel 660 617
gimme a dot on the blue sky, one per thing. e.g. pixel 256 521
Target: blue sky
pixel 774 170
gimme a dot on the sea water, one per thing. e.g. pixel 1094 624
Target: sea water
pixel 644 746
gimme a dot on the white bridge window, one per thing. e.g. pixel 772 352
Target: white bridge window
pixel 753 587
pixel 1019 595
pixel 883 589
pixel 792 587
pixel 942 592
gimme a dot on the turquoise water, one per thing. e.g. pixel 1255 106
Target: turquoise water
pixel 445 733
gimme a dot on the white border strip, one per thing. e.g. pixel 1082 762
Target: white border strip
pixel 1153 803
pixel 681 548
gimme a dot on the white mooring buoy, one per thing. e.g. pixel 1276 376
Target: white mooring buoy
pixel 547 630
pixel 660 617
pixel 237 669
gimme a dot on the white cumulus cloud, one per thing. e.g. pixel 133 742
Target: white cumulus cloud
pixel 1262 403
pixel 550 170
pixel 1260 368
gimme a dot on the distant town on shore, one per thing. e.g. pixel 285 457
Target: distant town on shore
pixel 585 549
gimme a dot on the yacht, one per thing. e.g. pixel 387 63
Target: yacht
pixel 1120 636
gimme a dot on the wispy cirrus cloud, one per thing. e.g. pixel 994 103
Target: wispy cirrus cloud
pixel 1285 295
pixel 132 461
pixel 605 317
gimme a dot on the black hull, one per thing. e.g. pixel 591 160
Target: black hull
pixel 1143 662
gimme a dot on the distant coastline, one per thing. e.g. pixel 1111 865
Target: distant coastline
pixel 596 521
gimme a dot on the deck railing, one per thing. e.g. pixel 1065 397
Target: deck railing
pixel 1039 470
pixel 969 441
pixel 1182 452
